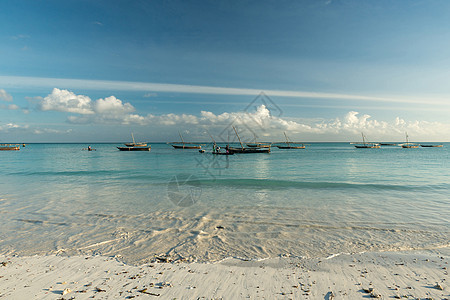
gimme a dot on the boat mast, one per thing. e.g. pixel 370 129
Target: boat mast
pixel 182 141
pixel 238 137
pixel 132 136
pixel 212 138
pixel 364 140
pixel 287 140
pixel 407 142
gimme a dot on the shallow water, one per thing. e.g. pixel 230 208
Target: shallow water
pixel 326 199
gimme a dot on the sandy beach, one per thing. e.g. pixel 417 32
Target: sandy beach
pixel 384 275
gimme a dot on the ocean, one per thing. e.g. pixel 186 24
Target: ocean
pixel 327 199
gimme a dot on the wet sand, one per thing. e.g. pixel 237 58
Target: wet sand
pixel 384 275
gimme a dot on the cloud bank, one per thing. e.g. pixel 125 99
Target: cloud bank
pixel 260 120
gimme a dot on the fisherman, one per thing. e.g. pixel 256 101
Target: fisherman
pixel 90 149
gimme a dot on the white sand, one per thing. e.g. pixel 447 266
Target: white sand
pixel 413 274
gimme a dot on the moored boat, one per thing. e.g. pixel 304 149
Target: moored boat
pixel 233 150
pixel 257 144
pixel 9 147
pixel 431 145
pixel 184 145
pixel 408 144
pixel 366 145
pixel 290 145
pixel 134 144
pixel 243 149
pixel 136 148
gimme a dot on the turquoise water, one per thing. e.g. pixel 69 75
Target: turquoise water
pixel 326 199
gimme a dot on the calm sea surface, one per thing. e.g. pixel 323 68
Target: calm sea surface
pixel 326 199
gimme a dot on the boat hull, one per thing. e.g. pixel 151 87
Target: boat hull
pixel 9 148
pixel 134 148
pixel 291 147
pixel 367 147
pixel 186 147
pixel 249 150
pixel 434 146
pixel 410 146
pixel 258 145
pixel 135 144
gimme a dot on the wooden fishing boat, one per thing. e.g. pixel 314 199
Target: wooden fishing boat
pixel 243 149
pixel 256 144
pixel 9 147
pixel 184 145
pixel 366 145
pixel 290 145
pixel 134 144
pixel 431 145
pixel 408 144
pixel 248 150
pixel 136 148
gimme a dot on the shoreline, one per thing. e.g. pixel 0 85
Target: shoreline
pixel 417 274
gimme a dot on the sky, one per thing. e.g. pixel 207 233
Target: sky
pixel 322 70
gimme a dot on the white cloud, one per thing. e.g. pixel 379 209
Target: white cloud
pixel 150 95
pixel 50 131
pixel 9 106
pixel 66 101
pixel 5 96
pixel 112 105
pixel 12 126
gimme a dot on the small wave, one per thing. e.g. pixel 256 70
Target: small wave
pixel 283 184
pixel 67 173
pixel 39 222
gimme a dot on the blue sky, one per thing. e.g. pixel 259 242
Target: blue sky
pixel 97 70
